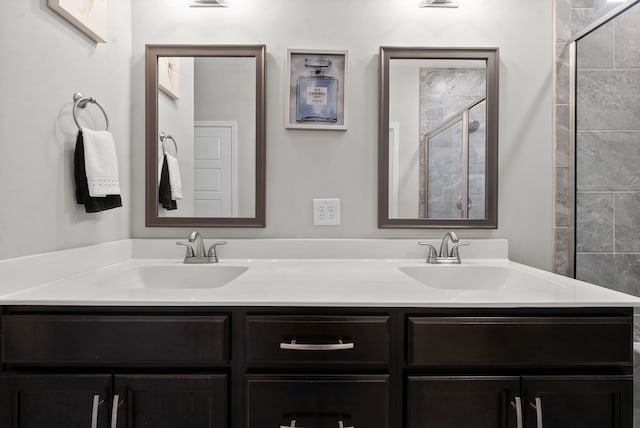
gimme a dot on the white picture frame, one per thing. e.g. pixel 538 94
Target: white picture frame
pixel 169 76
pixel 317 106
pixel 89 16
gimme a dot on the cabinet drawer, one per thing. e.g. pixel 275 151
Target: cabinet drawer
pixel 317 339
pixel 519 341
pixel 114 340
pixel 318 401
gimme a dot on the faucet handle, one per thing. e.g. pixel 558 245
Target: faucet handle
pixel 454 249
pixel 189 253
pixel 212 254
pixel 432 254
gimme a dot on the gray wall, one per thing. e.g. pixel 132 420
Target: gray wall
pixel 45 60
pixel 302 165
pixel 608 155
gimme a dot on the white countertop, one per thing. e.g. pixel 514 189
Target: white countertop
pixel 375 282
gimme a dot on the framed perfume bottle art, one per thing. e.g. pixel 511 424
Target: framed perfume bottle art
pixel 317 89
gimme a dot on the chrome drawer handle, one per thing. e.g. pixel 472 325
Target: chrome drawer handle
pixel 114 411
pixel 94 411
pixel 293 424
pixel 518 406
pixel 292 345
pixel 538 407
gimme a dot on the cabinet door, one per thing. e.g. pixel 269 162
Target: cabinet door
pixel 456 402
pixel 171 401
pixel 53 401
pixel 318 401
pixel 578 401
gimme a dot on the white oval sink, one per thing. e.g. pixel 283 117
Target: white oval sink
pixel 172 277
pixel 459 277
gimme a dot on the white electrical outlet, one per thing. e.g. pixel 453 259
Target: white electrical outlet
pixel 326 212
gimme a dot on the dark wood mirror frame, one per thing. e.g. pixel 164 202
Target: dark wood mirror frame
pixel 491 56
pixel 151 87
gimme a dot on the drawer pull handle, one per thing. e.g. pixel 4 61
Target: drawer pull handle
pixel 114 411
pixel 538 407
pixel 518 407
pixel 293 424
pixel 94 411
pixel 292 345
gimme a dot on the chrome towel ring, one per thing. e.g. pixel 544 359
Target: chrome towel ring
pixel 163 137
pixel 81 101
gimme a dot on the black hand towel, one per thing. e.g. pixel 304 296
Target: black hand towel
pixel 91 205
pixel 164 191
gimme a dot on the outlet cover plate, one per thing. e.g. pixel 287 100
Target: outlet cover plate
pixel 326 212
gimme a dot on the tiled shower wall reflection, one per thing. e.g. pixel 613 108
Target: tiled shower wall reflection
pixel 445 92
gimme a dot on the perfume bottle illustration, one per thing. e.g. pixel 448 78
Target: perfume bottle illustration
pixel 317 96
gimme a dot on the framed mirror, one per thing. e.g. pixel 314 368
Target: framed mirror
pixel 205 135
pixel 438 138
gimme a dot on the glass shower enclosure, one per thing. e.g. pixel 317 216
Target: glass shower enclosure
pixel 605 115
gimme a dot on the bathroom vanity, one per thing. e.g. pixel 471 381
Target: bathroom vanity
pixel 268 367
pixel 317 343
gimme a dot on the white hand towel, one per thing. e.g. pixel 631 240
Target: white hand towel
pixel 101 163
pixel 174 177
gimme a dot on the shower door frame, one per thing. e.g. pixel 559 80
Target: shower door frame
pixel 462 117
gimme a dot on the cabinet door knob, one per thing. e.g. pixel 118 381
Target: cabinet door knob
pixel 292 345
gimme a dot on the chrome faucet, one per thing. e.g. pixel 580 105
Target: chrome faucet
pixel 444 245
pixel 198 255
pixel 195 237
pixel 445 256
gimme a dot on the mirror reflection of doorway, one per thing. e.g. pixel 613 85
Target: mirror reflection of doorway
pixel 215 169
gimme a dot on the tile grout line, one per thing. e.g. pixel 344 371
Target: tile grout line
pixel 614 224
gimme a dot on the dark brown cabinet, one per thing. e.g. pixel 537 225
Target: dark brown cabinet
pixel 43 401
pixel 69 401
pixel 462 401
pixel 250 367
pixel 318 401
pixel 170 401
pixel 517 341
pixel 112 340
pixel 578 401
pixel 297 340
pixel 513 402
